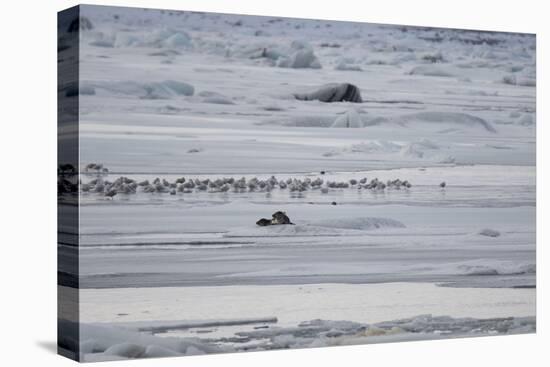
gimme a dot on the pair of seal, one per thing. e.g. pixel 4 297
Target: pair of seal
pixel 277 218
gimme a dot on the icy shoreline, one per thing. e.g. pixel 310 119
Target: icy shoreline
pixel 129 322
pixel 108 342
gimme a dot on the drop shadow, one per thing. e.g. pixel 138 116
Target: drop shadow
pixel 48 345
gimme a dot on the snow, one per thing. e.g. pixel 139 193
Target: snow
pixel 460 119
pixel 360 223
pixel 333 227
pixel 431 70
pixel 282 231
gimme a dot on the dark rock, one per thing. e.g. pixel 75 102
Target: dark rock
pixel 344 92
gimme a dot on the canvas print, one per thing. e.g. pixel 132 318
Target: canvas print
pixel 232 183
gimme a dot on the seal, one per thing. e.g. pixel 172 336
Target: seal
pixel 264 222
pixel 280 218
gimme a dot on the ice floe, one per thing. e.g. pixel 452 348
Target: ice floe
pixel 106 341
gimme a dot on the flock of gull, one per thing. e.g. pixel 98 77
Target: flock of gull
pixel 126 185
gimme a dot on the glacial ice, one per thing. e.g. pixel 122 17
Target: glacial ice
pixel 299 60
pixel 349 119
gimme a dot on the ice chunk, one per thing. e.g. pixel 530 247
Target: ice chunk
pixel 430 70
pixel 163 326
pixel 304 121
pixel 122 341
pixel 178 40
pixel 215 98
pixel 375 146
pixel 363 224
pixel 526 120
pixel 344 66
pixel 161 38
pixel 412 150
pixel 148 90
pixel 157 351
pixel 299 60
pixel 483 267
pixel 179 88
pixel 489 232
pixel 521 81
pixel 455 118
pixel 167 37
pixel 125 39
pixel 349 119
pixel 127 350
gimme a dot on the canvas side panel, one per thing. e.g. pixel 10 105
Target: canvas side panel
pixel 67 182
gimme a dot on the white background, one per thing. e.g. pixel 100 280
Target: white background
pixel 28 180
